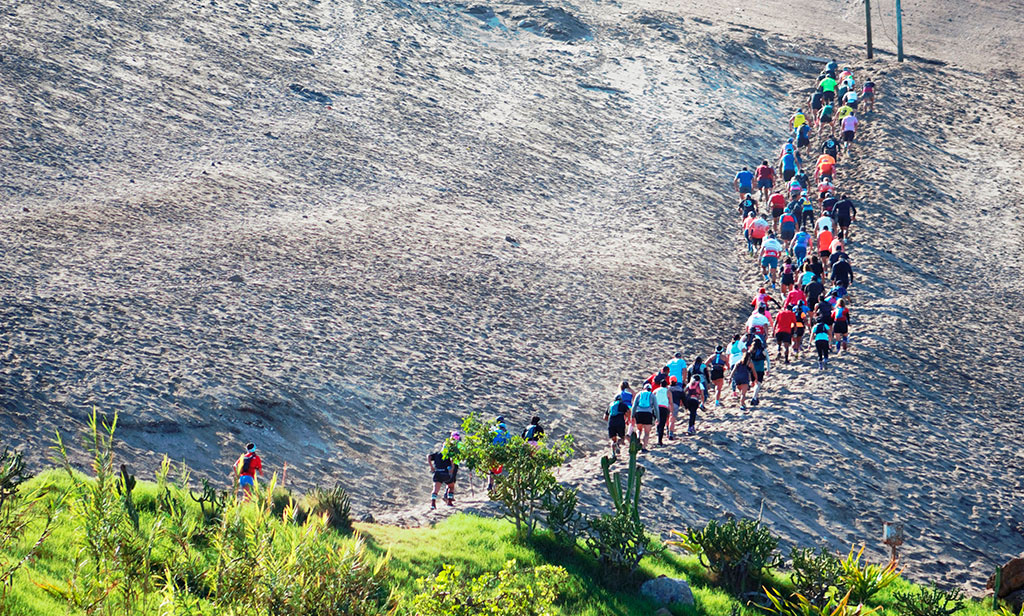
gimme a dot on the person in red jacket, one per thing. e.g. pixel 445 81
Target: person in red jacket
pixel 784 323
pixel 246 468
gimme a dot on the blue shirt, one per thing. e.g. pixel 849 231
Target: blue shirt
pixel 676 367
pixel 789 161
pixel 802 238
pixel 745 178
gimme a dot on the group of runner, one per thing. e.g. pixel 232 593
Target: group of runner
pixel 800 248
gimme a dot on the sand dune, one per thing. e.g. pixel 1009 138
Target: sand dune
pixel 334 229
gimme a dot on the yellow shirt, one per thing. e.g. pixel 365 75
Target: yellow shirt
pixel 844 111
pixel 799 120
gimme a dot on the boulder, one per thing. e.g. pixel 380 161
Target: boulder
pixel 666 591
pixel 1015 600
pixel 1012 579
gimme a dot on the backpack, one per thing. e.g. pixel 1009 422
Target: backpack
pixel 645 400
pixel 717 361
pixel 757 354
pixel 246 464
pixel 529 432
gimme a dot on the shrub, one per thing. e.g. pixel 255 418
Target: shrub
pixel 562 517
pixel 280 500
pixel 211 502
pixel 735 552
pixel 19 512
pixel 929 601
pixel 333 503
pixel 513 591
pixel 527 478
pixel 862 582
pixel 799 605
pixel 815 572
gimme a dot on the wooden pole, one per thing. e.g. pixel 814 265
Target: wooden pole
pixel 899 32
pixel 867 24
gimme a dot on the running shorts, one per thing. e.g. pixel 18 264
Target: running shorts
pixel 760 375
pixel 644 418
pixel 442 477
pixel 787 174
pixel 787 235
pixel 765 183
pixel 828 96
pixel 778 211
pixel 770 262
pixel 246 480
pixel 844 221
pixel 848 135
pixel 756 241
pixel 825 254
pixel 787 279
pixel 717 372
pixel 746 188
pixel 784 337
pixel 841 327
pixel 617 426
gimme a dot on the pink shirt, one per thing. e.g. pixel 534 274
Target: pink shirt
pixel 794 297
pixel 849 123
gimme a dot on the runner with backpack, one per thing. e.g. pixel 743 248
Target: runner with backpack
pixel 618 417
pixel 645 413
pixel 246 467
pixel 761 363
pixel 693 399
pixel 718 364
pixel 442 468
pixel 533 432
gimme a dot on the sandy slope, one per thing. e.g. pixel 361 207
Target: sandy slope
pixel 336 228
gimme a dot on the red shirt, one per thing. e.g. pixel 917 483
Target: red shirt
pixel 778 201
pixel 759 228
pixel 784 322
pixel 255 465
pixel 764 172
pixel 794 297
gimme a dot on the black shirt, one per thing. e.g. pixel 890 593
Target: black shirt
pixel 842 272
pixel 844 208
pixel 813 291
pixel 537 432
pixel 441 463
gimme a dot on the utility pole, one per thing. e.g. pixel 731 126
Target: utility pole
pixel 867 23
pixel 899 32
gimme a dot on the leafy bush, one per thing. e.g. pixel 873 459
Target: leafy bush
pixel 863 581
pixel 799 605
pixel 12 475
pixel 527 478
pixel 333 503
pixel 929 601
pixel 513 591
pixel 736 552
pixel 815 572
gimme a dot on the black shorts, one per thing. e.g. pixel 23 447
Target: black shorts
pixel 784 337
pixel 841 327
pixel 826 119
pixel 825 254
pixel 848 135
pixel 760 375
pixel 787 174
pixel 617 426
pixel 776 212
pixel 798 332
pixel 442 477
pixel 787 236
pixel 756 241
pixel 787 279
pixel 644 418
pixel 828 96
pixel 844 221
pixel 717 372
pixel 852 104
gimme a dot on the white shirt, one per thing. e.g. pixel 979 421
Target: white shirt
pixel 769 245
pixel 758 319
pixel 824 223
pixel 849 123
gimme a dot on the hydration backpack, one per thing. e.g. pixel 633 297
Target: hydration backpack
pixel 246 464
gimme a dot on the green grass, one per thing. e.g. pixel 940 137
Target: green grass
pixel 473 544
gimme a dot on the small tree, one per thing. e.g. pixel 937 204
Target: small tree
pixel 526 475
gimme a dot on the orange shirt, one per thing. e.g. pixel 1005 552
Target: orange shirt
pixel 825 241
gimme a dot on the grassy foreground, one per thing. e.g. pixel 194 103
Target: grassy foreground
pixel 475 545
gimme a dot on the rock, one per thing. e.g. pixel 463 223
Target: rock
pixel 236 278
pixel 368 518
pixel 666 591
pixel 511 240
pixel 1013 577
pixel 1015 600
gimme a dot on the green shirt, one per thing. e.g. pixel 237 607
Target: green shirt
pixel 828 85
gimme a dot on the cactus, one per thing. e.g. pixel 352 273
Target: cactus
pixel 627 503
pixel 210 502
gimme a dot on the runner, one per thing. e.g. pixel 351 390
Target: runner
pixel 759 227
pixel 736 350
pixel 851 97
pixel 785 321
pixel 821 333
pixel 849 126
pixel 441 468
pixel 761 298
pixel 694 397
pixel 825 169
pixel 831 147
pixel 744 182
pixel 841 325
pixel 747 205
pixel 788 277
pixel 798 119
pixel 843 112
pixel 748 222
pixel 824 243
pixel 829 203
pixel 626 393
pixel 867 95
pixel 788 165
pixel 815 103
pixel 825 119
pixel 718 363
pixel 246 467
pixel 759 358
pixel 742 375
pixel 452 450
pixel 803 136
pixel 794 297
pixel 801 312
pixel 675 388
pixel 765 175
pixel 787 226
pixel 828 89
pixel 700 369
pixel 825 188
pixel 677 367
pixel 757 326
pixel 771 250
pixel 666 408
pixel 644 412
pixel 844 213
pixel 814 290
pixel 533 432
pixel 618 417
pixel 825 223
pixel 659 378
pixel 842 273
pixel 778 205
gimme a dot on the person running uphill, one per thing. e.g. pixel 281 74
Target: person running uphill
pixel 718 363
pixel 744 182
pixel 442 469
pixel 785 321
pixel 771 250
pixel 822 334
pixel 645 413
pixel 693 398
pixel 765 179
pixel 246 467
pixel 618 417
